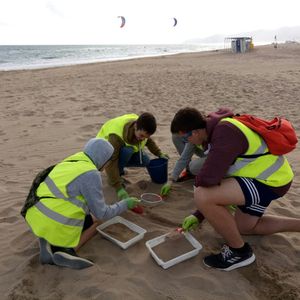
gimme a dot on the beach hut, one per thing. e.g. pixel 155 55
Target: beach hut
pixel 239 44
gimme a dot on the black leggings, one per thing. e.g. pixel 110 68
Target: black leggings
pixel 88 222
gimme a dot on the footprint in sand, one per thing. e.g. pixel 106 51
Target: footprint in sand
pixel 22 241
pixel 3 189
pixel 23 290
pixel 89 292
pixel 87 128
pixel 268 282
pixel 9 220
pixel 57 122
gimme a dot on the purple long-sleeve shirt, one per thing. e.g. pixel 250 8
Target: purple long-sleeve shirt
pixel 226 142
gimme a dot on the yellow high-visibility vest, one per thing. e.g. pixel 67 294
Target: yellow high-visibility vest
pixel 272 170
pixel 116 126
pixel 57 217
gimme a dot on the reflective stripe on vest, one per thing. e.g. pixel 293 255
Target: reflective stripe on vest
pixel 58 217
pixel 242 162
pixel 58 194
pixel 270 169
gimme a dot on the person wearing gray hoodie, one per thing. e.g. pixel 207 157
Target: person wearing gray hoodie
pixel 72 194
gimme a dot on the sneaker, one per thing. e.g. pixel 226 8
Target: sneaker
pixel 46 255
pixel 67 257
pixel 229 259
pixel 185 175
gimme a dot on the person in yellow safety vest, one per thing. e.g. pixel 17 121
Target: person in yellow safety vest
pixel 239 170
pixel 66 204
pixel 129 134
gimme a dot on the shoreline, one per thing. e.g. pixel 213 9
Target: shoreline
pixel 68 64
pixel 172 50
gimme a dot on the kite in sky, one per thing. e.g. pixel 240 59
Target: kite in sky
pixel 175 22
pixel 123 21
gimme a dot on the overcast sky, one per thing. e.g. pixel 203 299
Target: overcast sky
pixel 147 21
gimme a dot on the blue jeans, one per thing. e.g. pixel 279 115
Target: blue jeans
pixel 128 158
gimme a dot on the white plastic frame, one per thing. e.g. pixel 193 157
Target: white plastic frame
pixel 167 264
pixel 124 245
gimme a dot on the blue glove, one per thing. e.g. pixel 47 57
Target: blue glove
pixel 122 194
pixel 190 223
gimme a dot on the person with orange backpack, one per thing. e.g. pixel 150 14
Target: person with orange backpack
pixel 240 170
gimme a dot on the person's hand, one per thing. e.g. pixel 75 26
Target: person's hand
pixel 190 223
pixel 166 188
pixel 132 202
pixel 122 194
pixel 164 155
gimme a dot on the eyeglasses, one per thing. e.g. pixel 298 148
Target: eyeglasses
pixel 187 135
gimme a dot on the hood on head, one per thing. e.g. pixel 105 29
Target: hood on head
pixel 99 151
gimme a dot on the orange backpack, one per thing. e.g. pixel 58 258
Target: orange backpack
pixel 279 134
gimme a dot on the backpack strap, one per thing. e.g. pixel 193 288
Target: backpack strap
pixel 254 155
pixel 32 197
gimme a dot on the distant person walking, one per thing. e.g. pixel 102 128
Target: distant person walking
pixel 275 42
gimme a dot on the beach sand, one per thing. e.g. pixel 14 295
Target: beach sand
pixel 48 114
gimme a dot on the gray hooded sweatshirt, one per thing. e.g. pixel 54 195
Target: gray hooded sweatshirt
pixel 89 185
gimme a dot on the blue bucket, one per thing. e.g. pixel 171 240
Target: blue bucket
pixel 158 170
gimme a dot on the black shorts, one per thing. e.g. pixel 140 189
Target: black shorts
pixel 88 222
pixel 258 196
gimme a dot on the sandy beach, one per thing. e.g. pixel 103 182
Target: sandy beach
pixel 48 114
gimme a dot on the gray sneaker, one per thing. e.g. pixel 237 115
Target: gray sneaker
pixel 68 258
pixel 46 255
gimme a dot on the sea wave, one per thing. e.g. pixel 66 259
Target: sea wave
pixel 32 57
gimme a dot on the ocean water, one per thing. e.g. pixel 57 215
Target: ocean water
pixel 35 57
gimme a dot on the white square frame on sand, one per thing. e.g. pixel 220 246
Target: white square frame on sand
pixel 167 264
pixel 124 245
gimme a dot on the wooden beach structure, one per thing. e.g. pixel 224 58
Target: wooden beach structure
pixel 238 44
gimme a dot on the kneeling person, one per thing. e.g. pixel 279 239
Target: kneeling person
pixel 66 204
pixel 129 134
pixel 239 170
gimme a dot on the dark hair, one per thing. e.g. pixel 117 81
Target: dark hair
pixel 187 119
pixel 146 122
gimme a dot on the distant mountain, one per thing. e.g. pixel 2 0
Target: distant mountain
pixel 283 34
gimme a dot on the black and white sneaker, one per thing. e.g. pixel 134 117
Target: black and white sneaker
pixel 230 259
